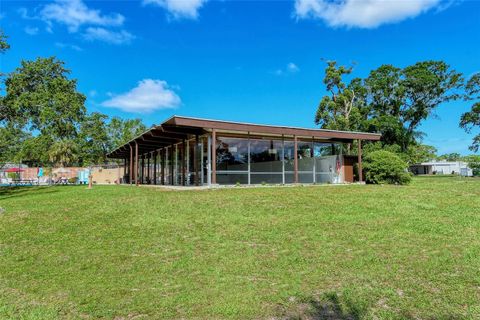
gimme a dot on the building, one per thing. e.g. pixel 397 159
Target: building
pixel 179 152
pixel 442 167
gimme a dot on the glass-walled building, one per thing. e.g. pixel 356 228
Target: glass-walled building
pixel 190 151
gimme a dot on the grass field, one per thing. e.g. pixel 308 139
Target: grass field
pixel 347 252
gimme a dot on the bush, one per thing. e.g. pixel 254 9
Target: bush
pixel 72 180
pixel 382 167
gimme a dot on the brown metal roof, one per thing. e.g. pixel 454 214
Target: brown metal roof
pixel 178 128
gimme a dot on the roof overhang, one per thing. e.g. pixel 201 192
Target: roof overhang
pixel 177 129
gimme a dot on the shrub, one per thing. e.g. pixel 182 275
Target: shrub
pixel 474 164
pixel 385 167
pixel 72 180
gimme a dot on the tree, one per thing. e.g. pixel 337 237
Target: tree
pixel 45 105
pixel 338 110
pixel 43 119
pixel 393 101
pixel 401 99
pixel 63 153
pixel 4 46
pixel 98 136
pixel 40 96
pixel 473 163
pixel 11 141
pixel 121 131
pixel 470 120
pixel 93 140
pixel 418 153
pixel 450 157
pixel 415 153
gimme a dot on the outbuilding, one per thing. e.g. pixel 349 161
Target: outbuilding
pixel 442 167
pixel 192 151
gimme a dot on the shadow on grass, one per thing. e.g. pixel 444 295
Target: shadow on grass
pixel 329 307
pixel 11 192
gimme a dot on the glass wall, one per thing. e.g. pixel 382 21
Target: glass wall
pixel 258 161
pixel 305 161
pixel 192 149
pixel 266 161
pixel 168 165
pixel 232 160
pixel 289 156
pixel 205 159
pixel 328 163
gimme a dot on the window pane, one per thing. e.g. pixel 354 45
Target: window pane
pixel 179 164
pixel 260 178
pixel 232 154
pixel 305 177
pixel 232 178
pixel 289 177
pixel 305 159
pixel 327 164
pixel 265 156
pixel 289 156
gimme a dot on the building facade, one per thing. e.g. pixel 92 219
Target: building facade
pixel 442 167
pixel 191 151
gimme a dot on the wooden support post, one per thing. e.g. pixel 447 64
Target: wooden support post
pixel 164 161
pixel 136 164
pixel 142 168
pixel 172 167
pixel 295 159
pixel 195 160
pixel 360 169
pixel 124 170
pixel 149 155
pixel 214 156
pixel 155 155
pixel 184 162
pixel 130 173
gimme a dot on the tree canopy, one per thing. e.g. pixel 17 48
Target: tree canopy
pixel 44 121
pixel 4 46
pixel 471 119
pixel 393 101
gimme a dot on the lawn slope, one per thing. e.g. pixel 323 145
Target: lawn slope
pixel 145 253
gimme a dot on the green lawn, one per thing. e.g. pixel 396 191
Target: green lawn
pixel 367 252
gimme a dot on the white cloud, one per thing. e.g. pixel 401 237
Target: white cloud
pixel 362 13
pixel 31 30
pixel 289 68
pixel 179 8
pixel 109 36
pixel 77 16
pixel 149 95
pixel 74 14
pixel 24 13
pixel 292 67
pixel 68 46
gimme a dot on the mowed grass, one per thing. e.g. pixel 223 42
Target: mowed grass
pixel 354 252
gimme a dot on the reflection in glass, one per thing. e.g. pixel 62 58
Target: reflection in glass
pixel 232 154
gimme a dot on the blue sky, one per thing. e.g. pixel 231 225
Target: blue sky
pixel 254 61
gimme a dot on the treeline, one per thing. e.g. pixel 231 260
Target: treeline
pixel 395 102
pixel 44 121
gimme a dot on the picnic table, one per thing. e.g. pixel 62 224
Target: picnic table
pixel 22 182
pixel 62 180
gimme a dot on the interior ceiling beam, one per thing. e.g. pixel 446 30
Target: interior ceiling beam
pixel 184 130
pixel 159 133
pixel 160 140
pixel 152 145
